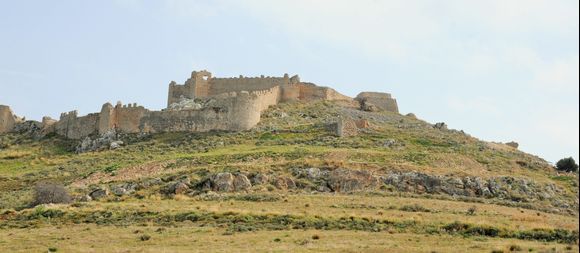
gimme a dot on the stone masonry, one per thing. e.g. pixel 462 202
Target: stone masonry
pixel 229 104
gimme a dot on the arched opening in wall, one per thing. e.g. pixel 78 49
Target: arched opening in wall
pixel 205 78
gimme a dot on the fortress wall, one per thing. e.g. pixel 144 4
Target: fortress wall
pixel 184 121
pixel 128 118
pixel 7 119
pixel 224 85
pixel 383 101
pixel 267 98
pixel 289 92
pixel 176 91
pixel 106 118
pixel 310 92
pixel 74 127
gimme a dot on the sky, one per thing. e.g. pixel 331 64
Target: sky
pixel 500 70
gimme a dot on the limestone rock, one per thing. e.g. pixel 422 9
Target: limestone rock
pixel 259 178
pixel 411 115
pixel 99 193
pixel 284 183
pixel 115 144
pixel 123 189
pixel 223 182
pixel 107 140
pixel 344 180
pixel 241 182
pixel 85 198
pixel 440 126
pixel 178 188
pixel 513 144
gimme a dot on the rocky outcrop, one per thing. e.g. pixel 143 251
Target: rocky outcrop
pixel 504 187
pixel 227 182
pixel 108 140
pixel 440 126
pixel 513 144
pixel 344 180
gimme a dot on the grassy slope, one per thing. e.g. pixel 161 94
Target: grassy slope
pixel 291 135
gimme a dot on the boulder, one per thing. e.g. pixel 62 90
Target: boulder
pixel 440 126
pixel 259 178
pixel 223 182
pixel 284 183
pixel 178 188
pixel 513 144
pixel 115 144
pixel 123 189
pixel 99 193
pixel 241 182
pixel 411 115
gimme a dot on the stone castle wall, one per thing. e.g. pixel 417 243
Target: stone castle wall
pixel 231 104
pixel 7 119
pixel 74 127
pixel 233 111
pixel 383 101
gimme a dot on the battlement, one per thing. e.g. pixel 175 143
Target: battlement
pixel 70 114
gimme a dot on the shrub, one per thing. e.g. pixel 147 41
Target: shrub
pixel 471 210
pixel 144 237
pixel 414 208
pixel 515 248
pixel 567 164
pixel 50 193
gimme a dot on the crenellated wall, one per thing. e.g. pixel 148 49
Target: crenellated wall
pixel 74 127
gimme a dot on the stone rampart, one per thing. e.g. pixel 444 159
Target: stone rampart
pixel 7 119
pixel 74 127
pixel 380 100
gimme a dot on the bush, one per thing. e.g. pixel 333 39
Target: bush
pixel 50 193
pixel 567 164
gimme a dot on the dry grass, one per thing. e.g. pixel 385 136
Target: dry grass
pixel 93 238
pixel 442 211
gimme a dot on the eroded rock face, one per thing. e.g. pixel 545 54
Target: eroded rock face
pixel 345 180
pixel 107 140
pixel 505 187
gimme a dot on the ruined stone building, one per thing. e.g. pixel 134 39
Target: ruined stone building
pixel 203 103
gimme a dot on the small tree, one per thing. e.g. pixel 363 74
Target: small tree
pixel 567 164
pixel 47 193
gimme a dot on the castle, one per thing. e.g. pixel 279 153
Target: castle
pixel 203 103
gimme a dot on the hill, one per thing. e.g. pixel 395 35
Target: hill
pixel 311 176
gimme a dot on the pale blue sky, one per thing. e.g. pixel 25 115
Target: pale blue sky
pixel 500 70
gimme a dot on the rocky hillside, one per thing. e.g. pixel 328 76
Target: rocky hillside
pixel 389 167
